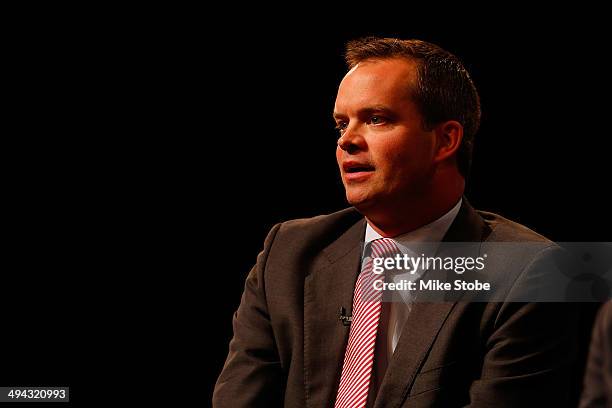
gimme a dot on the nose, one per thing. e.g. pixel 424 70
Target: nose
pixel 351 142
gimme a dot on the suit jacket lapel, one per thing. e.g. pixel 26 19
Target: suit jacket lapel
pixel 420 330
pixel 424 322
pixel 329 287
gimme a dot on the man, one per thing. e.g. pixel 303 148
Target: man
pixel 597 391
pixel 407 113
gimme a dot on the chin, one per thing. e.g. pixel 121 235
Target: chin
pixel 360 202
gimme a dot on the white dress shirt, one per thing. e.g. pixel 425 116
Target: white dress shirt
pixel 408 244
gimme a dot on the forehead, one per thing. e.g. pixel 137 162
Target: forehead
pixel 371 82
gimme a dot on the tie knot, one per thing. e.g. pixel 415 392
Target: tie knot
pixel 384 248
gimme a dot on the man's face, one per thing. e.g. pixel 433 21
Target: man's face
pixel 384 154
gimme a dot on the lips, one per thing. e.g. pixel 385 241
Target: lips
pixel 357 167
pixel 354 171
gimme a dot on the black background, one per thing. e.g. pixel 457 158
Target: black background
pixel 149 152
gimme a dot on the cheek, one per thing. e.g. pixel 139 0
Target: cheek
pixel 390 154
pixel 402 157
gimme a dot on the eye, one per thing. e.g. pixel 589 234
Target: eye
pixel 341 126
pixel 377 120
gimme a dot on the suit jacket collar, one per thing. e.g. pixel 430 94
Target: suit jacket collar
pixel 468 226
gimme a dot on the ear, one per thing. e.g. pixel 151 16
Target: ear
pixel 448 139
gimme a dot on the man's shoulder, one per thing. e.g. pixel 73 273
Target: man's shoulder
pixel 321 224
pixel 306 238
pixel 504 229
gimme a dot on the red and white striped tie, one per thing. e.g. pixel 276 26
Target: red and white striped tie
pixel 359 354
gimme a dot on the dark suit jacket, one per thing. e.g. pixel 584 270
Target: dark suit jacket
pixel 597 391
pixel 288 343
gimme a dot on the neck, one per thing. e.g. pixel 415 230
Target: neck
pixel 402 216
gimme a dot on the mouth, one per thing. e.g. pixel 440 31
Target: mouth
pixel 356 167
pixel 359 169
pixel 354 171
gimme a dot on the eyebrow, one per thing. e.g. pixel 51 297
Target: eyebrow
pixel 367 111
